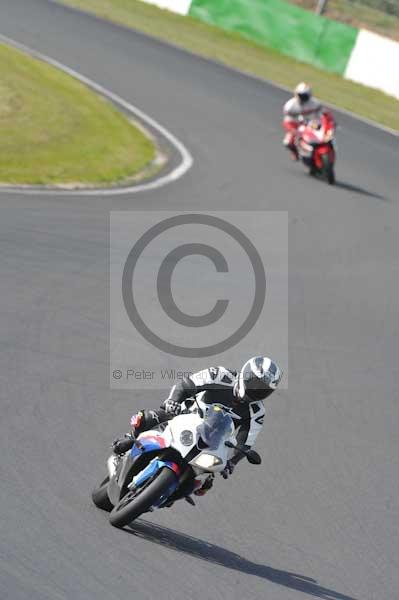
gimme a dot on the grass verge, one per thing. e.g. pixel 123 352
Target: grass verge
pixel 235 51
pixel 56 131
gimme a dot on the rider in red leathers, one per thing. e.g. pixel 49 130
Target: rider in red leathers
pixel 299 108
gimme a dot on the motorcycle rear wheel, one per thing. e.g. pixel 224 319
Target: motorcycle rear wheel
pixel 137 502
pixel 100 496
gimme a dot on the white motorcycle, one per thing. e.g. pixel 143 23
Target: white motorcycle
pixel 168 463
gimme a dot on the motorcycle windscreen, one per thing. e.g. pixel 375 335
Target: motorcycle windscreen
pixel 217 427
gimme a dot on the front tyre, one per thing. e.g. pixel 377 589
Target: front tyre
pixel 100 496
pixel 137 502
pixel 328 169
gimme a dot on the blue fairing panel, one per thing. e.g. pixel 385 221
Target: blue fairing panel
pixel 151 469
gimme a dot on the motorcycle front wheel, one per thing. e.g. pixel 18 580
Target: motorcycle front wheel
pixel 328 169
pixel 137 502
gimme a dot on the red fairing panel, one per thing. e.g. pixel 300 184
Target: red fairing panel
pixel 319 151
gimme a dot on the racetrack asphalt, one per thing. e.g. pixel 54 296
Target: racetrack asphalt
pixel 319 518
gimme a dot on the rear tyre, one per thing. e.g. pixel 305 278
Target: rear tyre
pixel 100 496
pixel 137 502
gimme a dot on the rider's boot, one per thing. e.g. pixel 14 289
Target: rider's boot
pixel 123 445
pixel 289 143
pixel 293 152
pixel 205 487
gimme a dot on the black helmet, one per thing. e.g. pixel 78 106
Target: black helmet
pixel 258 378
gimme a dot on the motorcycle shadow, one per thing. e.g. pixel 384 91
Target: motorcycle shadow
pixel 217 555
pixel 358 190
pixel 350 187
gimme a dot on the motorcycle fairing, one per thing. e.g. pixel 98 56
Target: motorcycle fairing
pixel 319 151
pixel 119 478
pixel 152 468
pixel 147 443
pixel 131 465
pixel 315 142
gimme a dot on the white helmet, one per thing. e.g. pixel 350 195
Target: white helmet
pixel 258 378
pixel 303 92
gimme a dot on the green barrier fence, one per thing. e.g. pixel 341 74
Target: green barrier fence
pixel 285 27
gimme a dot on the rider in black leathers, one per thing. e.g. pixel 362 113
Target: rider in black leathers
pixel 242 394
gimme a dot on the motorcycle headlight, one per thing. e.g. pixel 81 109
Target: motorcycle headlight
pixel 186 437
pixel 206 461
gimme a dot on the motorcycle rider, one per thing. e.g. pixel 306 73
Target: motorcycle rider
pixel 241 394
pixel 303 106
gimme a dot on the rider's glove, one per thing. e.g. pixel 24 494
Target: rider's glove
pixel 172 407
pixel 228 470
pixel 136 421
pixel 120 446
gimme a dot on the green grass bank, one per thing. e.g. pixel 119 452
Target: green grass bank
pixel 54 130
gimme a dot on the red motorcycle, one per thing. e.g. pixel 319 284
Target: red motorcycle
pixel 316 148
